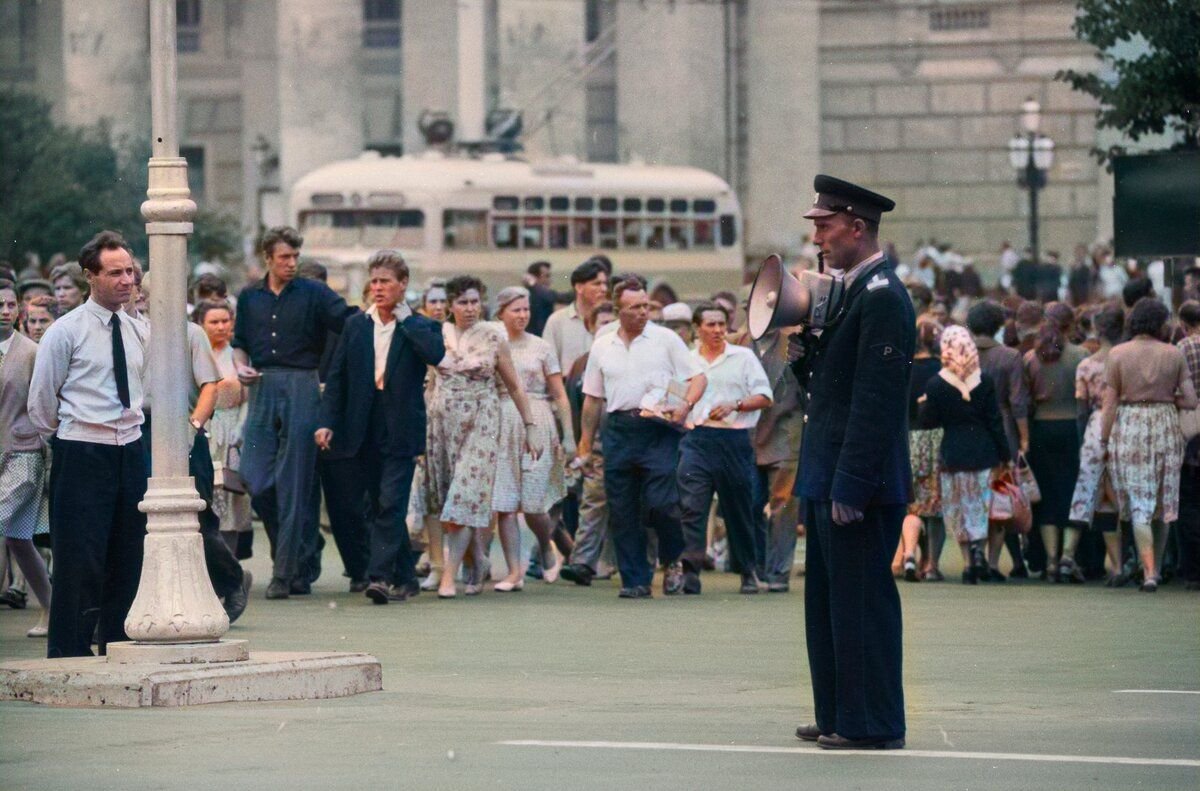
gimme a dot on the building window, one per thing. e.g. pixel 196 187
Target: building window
pixel 187 25
pixel 951 19
pixel 381 24
pixel 195 165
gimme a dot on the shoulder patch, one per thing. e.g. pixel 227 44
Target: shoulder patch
pixel 887 351
pixel 879 281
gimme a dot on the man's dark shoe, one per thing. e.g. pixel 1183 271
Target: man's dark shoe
pixel 808 733
pixel 236 601
pixel 673 579
pixel 750 583
pixel 377 592
pixel 994 575
pixel 399 593
pixel 577 573
pixel 835 742
pixel 358 586
pixel 1019 573
pixel 278 589
pixel 300 587
pixel 635 592
pixel 691 583
pixel 778 587
pixel 14 598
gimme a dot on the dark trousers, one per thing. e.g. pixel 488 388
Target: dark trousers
pixel 720 460
pixel 97 534
pixel 279 465
pixel 224 571
pixel 386 481
pixel 1188 526
pixel 640 459
pixel 342 484
pixel 853 622
pixel 775 537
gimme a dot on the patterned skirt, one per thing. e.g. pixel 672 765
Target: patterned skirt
pixel 923 445
pixel 22 486
pixel 523 484
pixel 1093 488
pixel 966 501
pixel 461 453
pixel 1146 453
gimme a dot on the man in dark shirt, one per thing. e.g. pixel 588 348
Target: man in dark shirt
pixel 282 324
pixel 542 298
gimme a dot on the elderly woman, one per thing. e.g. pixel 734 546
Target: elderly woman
pixel 231 504
pixel 526 485
pixel 70 286
pixel 961 400
pixel 462 449
pixel 1147 380
pixel 1094 504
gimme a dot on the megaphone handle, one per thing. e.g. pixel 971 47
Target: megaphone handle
pixel 820 263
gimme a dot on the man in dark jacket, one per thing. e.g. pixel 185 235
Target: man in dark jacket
pixel 855 479
pixel 373 410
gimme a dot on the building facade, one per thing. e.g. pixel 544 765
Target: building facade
pixel 915 98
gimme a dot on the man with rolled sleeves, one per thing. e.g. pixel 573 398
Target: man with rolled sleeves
pixel 855 481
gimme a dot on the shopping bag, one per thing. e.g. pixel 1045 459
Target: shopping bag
pixel 1028 483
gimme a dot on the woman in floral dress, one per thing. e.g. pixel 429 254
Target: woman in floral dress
pixel 530 487
pixel 925 511
pixel 462 447
pixel 1095 503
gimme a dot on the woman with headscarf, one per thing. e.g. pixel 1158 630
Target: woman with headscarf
pixel 961 400
pixel 1147 381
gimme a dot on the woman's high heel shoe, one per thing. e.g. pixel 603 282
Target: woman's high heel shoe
pixel 551 571
pixel 504 586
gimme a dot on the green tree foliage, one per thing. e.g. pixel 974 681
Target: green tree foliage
pixel 60 185
pixel 1149 82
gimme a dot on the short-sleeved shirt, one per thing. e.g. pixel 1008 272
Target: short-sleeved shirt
pixel 289 329
pixel 568 336
pixel 622 375
pixel 736 374
pixel 1089 382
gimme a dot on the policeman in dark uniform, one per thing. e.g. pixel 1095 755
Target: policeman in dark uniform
pixel 854 478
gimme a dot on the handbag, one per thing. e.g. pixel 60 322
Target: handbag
pixel 1009 503
pixel 1025 479
pixel 1189 423
pixel 226 476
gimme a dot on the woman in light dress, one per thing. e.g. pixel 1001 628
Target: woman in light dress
pixel 523 484
pixel 231 506
pixel 462 447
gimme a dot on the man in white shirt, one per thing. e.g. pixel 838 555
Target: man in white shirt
pixel 87 390
pixel 717 454
pixel 626 369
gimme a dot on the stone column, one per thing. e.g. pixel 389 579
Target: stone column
pixel 175 601
pixel 104 65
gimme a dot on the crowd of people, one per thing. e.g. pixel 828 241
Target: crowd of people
pixel 628 430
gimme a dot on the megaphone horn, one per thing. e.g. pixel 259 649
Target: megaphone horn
pixel 777 299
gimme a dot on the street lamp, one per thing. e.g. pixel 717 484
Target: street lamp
pixel 1031 156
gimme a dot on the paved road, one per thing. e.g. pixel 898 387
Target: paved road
pixel 1020 671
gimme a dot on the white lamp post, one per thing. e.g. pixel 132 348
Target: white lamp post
pixel 1031 156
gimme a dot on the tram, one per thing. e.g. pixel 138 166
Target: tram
pixel 491 216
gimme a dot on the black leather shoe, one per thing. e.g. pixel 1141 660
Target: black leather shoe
pixel 750 583
pixel 236 601
pixel 994 575
pixel 300 587
pixel 278 589
pixel 778 587
pixel 14 598
pixel 358 586
pixel 399 593
pixel 808 733
pixel 377 592
pixel 577 573
pixel 835 742
pixel 673 579
pixel 691 583
pixel 636 592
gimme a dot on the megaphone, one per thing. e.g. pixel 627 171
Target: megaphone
pixel 779 299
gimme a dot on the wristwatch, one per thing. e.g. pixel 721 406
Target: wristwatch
pixel 738 406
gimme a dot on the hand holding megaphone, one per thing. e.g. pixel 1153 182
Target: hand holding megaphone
pixel 778 299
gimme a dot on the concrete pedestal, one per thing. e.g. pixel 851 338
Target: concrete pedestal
pixel 116 683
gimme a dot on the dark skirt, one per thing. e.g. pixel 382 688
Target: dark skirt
pixel 1054 459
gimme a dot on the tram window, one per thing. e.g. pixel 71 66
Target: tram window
pixel 608 204
pixel 558 235
pixel 704 206
pixel 505 203
pixel 677 236
pixel 560 203
pixel 504 232
pixel 585 204
pixel 585 231
pixel 606 234
pixel 532 233
pixel 409 218
pixel 679 206
pixel 703 234
pixel 344 219
pixel 728 230
pixel 537 203
pixel 631 232
pixel 464 230
pixel 656 205
pixel 316 219
pixel 656 235
pixel 404 229
pixel 632 205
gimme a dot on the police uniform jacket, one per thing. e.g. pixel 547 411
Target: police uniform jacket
pixel 855 446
